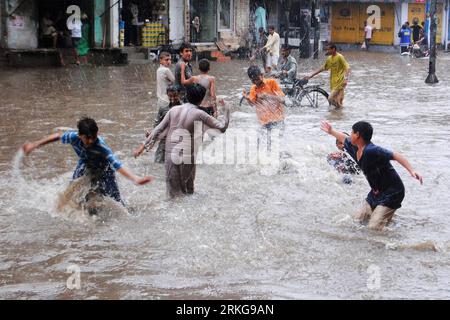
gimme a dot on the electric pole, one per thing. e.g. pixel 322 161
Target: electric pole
pixel 316 18
pixel 432 78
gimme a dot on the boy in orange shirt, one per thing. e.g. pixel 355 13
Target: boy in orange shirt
pixel 268 99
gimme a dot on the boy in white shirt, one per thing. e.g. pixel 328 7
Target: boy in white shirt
pixel 273 49
pixel 75 28
pixel 164 78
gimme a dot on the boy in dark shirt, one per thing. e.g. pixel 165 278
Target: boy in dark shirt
pixel 387 191
pixel 184 75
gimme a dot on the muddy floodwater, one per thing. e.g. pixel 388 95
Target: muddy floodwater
pixel 244 234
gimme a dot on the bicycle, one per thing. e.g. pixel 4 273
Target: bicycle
pixel 313 96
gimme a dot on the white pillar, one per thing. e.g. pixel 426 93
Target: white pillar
pixel 114 24
pixel 176 21
pixel 404 13
pixel 445 17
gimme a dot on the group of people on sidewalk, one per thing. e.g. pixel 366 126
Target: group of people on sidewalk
pixel 186 101
pixel 413 39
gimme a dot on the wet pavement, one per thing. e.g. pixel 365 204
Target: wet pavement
pixel 243 234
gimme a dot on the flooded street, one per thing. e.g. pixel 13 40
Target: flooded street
pixel 243 234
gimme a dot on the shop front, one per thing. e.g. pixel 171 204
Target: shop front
pixel 347 22
pixel 24 22
pixel 420 12
pixel 207 20
pixel 146 22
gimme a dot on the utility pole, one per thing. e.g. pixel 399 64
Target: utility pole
pixel 316 18
pixel 432 78
pixel 286 6
pixel 305 28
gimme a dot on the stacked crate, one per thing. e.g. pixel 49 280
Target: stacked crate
pixel 153 34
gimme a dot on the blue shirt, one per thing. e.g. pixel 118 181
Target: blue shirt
pixel 405 37
pixel 387 187
pixel 98 156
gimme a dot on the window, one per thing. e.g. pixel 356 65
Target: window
pixel 224 8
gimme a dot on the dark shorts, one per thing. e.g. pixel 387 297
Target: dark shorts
pixel 391 198
pixel 104 183
pixel 75 42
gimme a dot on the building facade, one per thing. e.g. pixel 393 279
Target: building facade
pixel 208 21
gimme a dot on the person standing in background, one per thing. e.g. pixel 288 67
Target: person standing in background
pixel 368 30
pixel 272 48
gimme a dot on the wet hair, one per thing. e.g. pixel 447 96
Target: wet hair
pixel 195 93
pixel 185 45
pixel 364 129
pixel 163 55
pixel 271 27
pixel 331 45
pixel 87 126
pixel 203 65
pixel 173 88
pixel 253 72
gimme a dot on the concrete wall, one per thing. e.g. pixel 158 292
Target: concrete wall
pixel 99 8
pixel 400 12
pixel 241 18
pixel 22 32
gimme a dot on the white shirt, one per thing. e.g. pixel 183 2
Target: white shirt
pixel 368 31
pixel 273 44
pixel 164 78
pixel 76 29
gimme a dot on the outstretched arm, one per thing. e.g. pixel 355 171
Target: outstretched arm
pixel 153 136
pixel 30 146
pixel 216 124
pixel 213 96
pixel 340 136
pixel 138 181
pixel 405 163
pixel 314 73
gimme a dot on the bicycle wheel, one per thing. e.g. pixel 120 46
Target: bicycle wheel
pixel 313 97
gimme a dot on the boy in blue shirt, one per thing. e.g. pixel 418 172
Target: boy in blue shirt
pixel 96 159
pixel 405 38
pixel 387 191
